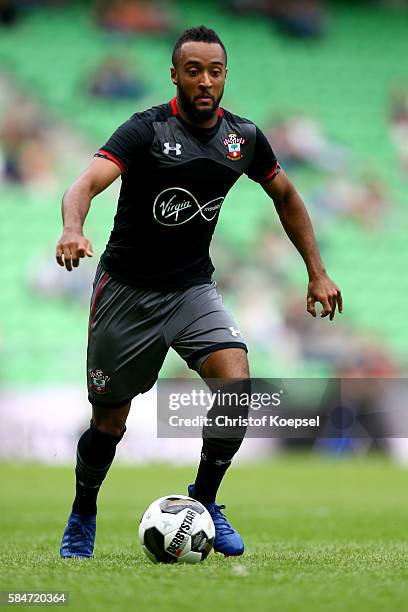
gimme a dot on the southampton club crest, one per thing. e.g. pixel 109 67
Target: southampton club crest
pixel 234 142
pixel 99 380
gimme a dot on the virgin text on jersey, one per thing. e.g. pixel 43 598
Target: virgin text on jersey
pixel 176 206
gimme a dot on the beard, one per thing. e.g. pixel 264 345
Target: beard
pixel 195 114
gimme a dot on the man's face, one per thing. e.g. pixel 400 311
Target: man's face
pixel 200 75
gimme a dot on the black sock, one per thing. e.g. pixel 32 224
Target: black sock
pixel 95 453
pixel 220 443
pixel 209 476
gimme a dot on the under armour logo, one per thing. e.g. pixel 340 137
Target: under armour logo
pixel 220 462
pixel 168 148
pixel 235 332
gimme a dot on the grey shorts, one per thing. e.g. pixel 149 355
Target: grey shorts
pixel 131 330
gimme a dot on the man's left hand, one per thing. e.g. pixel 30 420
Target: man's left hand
pixel 322 289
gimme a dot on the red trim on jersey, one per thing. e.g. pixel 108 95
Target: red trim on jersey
pixel 270 175
pixel 174 106
pixel 175 111
pixel 112 158
pixel 93 307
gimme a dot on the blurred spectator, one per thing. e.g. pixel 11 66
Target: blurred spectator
pixel 298 18
pixel 371 360
pixel 274 253
pixel 351 354
pixel 326 343
pixel 9 13
pixel 113 79
pixel 49 281
pixel 364 202
pixel 399 124
pixel 24 145
pixel 260 313
pixel 300 140
pixel 129 16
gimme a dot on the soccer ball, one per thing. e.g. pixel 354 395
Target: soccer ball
pixel 176 529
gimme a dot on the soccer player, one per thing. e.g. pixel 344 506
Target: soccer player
pixel 153 287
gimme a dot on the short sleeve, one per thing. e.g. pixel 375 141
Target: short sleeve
pixel 264 166
pixel 127 143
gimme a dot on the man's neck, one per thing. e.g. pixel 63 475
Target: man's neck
pixel 207 123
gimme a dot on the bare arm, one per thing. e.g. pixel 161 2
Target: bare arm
pixel 298 226
pixel 75 206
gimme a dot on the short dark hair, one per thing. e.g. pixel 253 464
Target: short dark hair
pixel 197 34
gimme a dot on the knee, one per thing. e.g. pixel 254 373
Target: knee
pixel 112 429
pixel 111 421
pixel 229 363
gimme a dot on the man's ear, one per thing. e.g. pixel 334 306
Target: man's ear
pixel 173 75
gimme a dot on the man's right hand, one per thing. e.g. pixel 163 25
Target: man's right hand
pixel 71 247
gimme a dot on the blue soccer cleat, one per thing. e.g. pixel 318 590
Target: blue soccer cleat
pixel 227 539
pixel 79 536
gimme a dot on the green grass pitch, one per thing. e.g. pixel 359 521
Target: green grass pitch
pixel 321 535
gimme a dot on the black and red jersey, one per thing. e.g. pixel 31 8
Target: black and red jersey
pixel 175 178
